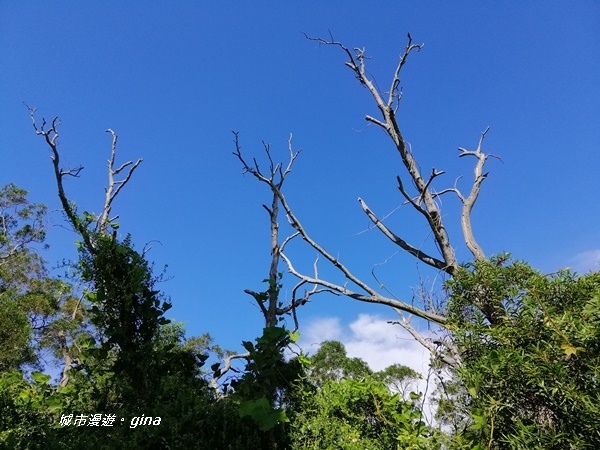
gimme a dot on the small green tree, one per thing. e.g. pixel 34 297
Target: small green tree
pixel 127 310
pixel 35 308
pixel 399 378
pixel 331 363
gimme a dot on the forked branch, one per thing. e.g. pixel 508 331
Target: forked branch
pixel 387 107
pixel 469 201
pixel 81 226
pixel 423 197
pixel 223 370
pixel 114 186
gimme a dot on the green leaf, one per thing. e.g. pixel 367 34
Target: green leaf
pixel 480 421
pixel 294 337
pixel 248 345
pixel 304 360
pixel 40 378
pixel 569 349
pixel 472 391
pixel 494 359
pixel 260 411
pixel 54 403
pixel 415 396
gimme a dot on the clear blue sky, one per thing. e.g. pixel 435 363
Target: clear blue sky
pixel 174 78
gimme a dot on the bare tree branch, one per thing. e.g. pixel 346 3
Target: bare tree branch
pixel 426 201
pixel 388 122
pixel 51 136
pixel 114 186
pixel 370 294
pixel 356 62
pixel 430 260
pixel 428 344
pixel 274 179
pixel 214 381
pixel 371 297
pixel 469 202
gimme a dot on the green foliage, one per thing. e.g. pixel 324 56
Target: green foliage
pixel 398 378
pixel 133 362
pixel 268 378
pixel 529 373
pixel 263 414
pixel 27 411
pixel 357 414
pixel 14 210
pixel 533 380
pixel 341 404
pixel 331 363
pixel 144 365
pixel 15 335
pixel 266 387
pixel 34 308
pixel 126 309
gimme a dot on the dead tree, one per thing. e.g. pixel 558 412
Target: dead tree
pixel 89 225
pixel 274 178
pixel 424 199
pixel 272 307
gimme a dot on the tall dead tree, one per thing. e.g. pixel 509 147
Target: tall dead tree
pixel 90 225
pixel 423 198
pixel 270 303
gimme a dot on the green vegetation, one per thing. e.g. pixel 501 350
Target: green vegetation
pixel 531 381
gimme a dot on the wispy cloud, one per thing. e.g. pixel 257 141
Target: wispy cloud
pixel 585 262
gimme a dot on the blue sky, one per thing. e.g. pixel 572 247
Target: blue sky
pixel 174 78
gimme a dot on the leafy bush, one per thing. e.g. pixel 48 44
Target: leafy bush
pixel 533 380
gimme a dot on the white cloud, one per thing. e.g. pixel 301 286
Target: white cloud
pixel 586 261
pixel 381 344
pixel 370 338
pixel 319 330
